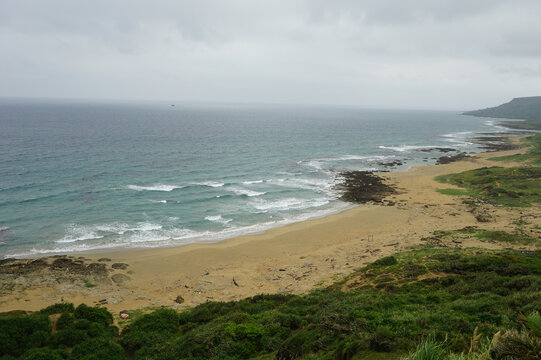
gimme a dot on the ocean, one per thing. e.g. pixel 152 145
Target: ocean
pixel 78 176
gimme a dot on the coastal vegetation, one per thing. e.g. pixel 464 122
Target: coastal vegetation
pixel 427 299
pixel 524 108
pixel 531 156
pixel 517 186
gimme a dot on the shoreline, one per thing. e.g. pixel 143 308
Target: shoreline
pixel 342 206
pixel 294 258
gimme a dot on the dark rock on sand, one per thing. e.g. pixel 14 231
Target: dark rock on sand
pixel 97 269
pixel 120 266
pixel 7 261
pixel 59 265
pixel 364 187
pixel 179 299
pixel 452 158
pixel 120 278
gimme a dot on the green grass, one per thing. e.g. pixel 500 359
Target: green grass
pixel 502 236
pixel 455 192
pixel 533 155
pixel 381 311
pixel 514 187
pixel 88 284
pixel 517 238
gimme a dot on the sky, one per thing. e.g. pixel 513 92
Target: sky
pixel 402 54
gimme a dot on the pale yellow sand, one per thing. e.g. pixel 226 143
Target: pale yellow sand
pixel 290 259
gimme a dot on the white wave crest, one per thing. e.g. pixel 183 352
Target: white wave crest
pixel 177 236
pixel 75 232
pixel 246 192
pixel 288 204
pixel 404 148
pixel 318 185
pixel 213 184
pixel 156 187
pixel 459 138
pixel 218 219
pixel 252 182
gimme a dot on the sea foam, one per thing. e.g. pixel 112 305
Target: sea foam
pixel 218 219
pixel 157 187
pixel 405 148
pixel 246 192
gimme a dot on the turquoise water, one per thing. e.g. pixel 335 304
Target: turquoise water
pixel 89 176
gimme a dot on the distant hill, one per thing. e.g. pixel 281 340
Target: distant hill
pixel 524 108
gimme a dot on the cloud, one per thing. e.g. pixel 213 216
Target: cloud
pixel 385 53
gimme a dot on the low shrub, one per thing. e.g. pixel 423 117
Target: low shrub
pixel 93 314
pixel 98 349
pixel 41 354
pixel 19 334
pixel 58 308
pixel 386 261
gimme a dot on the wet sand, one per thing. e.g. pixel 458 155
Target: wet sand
pixel 291 259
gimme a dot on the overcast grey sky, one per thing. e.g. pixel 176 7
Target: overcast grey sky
pixel 447 54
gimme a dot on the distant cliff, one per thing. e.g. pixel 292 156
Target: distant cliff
pixel 524 108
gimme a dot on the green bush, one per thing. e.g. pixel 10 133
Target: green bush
pixel 348 348
pixel 69 337
pixel 299 344
pixel 58 309
pixel 7 357
pixel 382 340
pixel 290 321
pixel 151 329
pixel 428 350
pixel 83 324
pixel 64 321
pixel 19 334
pixel 94 314
pixel 386 261
pixel 41 354
pixel 98 349
pixel 164 320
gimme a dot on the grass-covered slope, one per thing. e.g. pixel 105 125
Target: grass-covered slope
pixel 517 186
pixel 532 156
pixel 525 108
pixel 514 186
pixel 381 311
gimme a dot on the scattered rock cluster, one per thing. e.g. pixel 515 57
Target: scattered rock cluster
pixel 452 158
pixel 364 187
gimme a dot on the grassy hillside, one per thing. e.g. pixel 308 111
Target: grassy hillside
pixel 382 311
pixel 518 186
pixel 526 108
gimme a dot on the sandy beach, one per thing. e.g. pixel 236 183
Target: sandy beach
pixel 291 259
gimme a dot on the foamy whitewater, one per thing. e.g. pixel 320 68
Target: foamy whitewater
pixel 77 177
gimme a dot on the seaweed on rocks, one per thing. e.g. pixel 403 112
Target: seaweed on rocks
pixel 440 149
pixel 391 163
pixel 452 158
pixel 364 187
pixel 491 142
